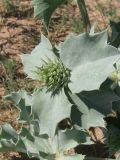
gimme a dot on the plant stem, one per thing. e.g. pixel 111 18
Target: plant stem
pixel 84 13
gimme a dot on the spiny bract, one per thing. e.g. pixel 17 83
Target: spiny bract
pixel 54 75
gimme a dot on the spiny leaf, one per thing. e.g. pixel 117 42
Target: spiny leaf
pixel 23 103
pixel 17 96
pixel 9 140
pixel 42 52
pixel 45 8
pixel 90 58
pixel 34 146
pixel 92 106
pixel 25 112
pixel 8 132
pixel 50 110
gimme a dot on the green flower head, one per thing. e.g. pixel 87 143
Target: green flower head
pixel 54 75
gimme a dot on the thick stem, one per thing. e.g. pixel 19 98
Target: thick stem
pixel 84 13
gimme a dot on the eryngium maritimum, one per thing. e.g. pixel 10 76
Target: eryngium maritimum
pixel 54 75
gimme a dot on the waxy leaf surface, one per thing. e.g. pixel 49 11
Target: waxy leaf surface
pixel 90 58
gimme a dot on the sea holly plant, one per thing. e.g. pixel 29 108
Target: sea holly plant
pixel 72 87
pixel 80 68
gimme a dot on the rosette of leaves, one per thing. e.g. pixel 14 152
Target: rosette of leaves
pixel 82 63
pixel 87 58
pixel 33 139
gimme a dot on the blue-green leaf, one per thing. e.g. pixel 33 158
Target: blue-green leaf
pixel 92 106
pixel 42 52
pixel 90 58
pixel 50 110
pixel 45 8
